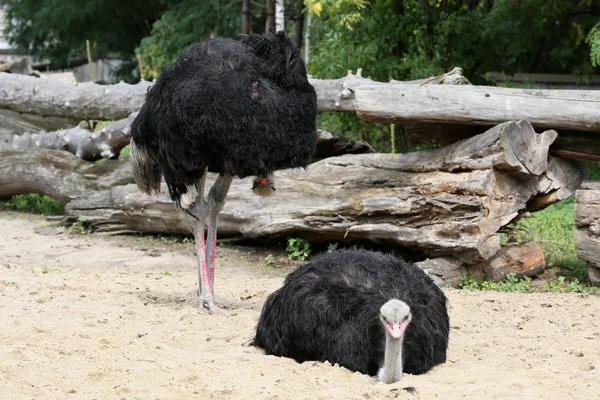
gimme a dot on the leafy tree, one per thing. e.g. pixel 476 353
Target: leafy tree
pixel 412 39
pixel 594 40
pixel 186 23
pixel 56 30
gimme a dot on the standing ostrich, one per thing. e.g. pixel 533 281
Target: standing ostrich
pixel 366 311
pixel 237 108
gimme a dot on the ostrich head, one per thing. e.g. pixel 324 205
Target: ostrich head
pixel 395 316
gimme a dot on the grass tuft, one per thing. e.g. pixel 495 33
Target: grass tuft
pixel 33 203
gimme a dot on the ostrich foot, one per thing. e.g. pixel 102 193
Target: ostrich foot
pixel 213 308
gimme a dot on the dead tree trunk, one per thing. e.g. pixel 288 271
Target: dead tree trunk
pixel 394 101
pixel 444 202
pixel 107 142
pixel 85 144
pixel 246 4
pixel 80 101
pixel 587 236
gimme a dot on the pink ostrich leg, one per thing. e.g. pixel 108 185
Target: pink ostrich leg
pixel 205 278
pixel 211 272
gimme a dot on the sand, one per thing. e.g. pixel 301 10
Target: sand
pixel 92 317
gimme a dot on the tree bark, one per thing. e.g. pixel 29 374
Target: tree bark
pixel 80 101
pixel 394 101
pixel 246 4
pixel 109 141
pixel 587 236
pixel 522 259
pixel 478 105
pixel 440 202
pixel 299 22
pixel 279 15
pixel 270 22
pixel 88 145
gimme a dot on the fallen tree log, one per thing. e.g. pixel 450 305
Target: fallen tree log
pixel 48 97
pixel 521 259
pixel 443 202
pixel 569 144
pixel 88 145
pixel 108 141
pixel 25 94
pixel 394 101
pixel 587 220
pixel 13 123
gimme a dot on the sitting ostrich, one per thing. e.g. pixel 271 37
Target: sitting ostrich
pixel 237 108
pixel 366 311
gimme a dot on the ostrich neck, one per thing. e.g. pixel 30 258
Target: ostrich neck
pixel 392 366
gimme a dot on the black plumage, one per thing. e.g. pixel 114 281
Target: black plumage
pixel 237 107
pixel 234 107
pixel 329 310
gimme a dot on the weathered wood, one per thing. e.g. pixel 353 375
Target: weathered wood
pixel 85 144
pixel 445 271
pixel 443 204
pixel 394 101
pixel 13 123
pixel 483 105
pixel 522 259
pixel 58 174
pixel 108 141
pixel 569 144
pixel 559 181
pixel 48 97
pixel 587 219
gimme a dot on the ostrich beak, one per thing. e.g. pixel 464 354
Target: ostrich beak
pixel 396 328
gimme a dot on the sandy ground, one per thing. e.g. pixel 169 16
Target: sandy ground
pixel 90 317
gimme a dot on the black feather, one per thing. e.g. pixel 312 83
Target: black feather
pixel 243 108
pixel 328 310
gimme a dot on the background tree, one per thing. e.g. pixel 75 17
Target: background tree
pixel 183 24
pixel 56 30
pixel 411 39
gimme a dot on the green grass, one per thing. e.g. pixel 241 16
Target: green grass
pixel 554 229
pixel 511 284
pixel 33 203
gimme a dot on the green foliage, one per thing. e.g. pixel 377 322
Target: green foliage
pixel 509 284
pixel 593 169
pixel 165 273
pixel 331 247
pixel 554 229
pixel 81 226
pixel 47 270
pixel 413 39
pixel 125 151
pixel 57 29
pixel 594 40
pixel 512 284
pixel 298 249
pixel 562 285
pixel 33 203
pixel 183 24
